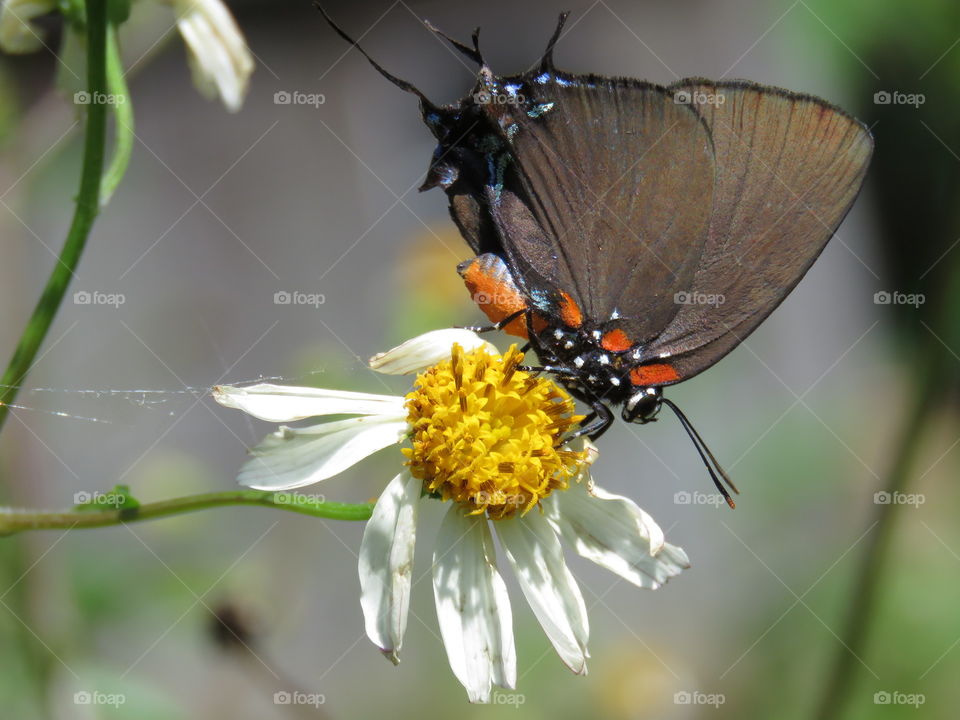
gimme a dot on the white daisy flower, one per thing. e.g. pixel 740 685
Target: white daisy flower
pixel 484 435
pixel 217 52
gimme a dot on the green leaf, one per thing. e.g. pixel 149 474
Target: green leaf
pixel 122 120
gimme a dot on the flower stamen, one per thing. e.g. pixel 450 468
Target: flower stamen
pixel 485 434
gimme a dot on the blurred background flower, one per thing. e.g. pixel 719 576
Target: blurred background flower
pixel 216 50
pixel 18 33
pixel 288 241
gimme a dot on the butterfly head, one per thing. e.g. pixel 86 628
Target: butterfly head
pixel 642 407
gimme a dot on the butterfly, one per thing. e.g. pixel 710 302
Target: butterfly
pixel 634 234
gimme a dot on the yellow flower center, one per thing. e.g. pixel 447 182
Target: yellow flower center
pixel 487 435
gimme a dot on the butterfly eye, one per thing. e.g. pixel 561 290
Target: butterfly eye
pixel 643 406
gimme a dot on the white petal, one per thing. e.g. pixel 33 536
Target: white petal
pixel 536 556
pixel 425 350
pixel 472 606
pixel 386 563
pixel 614 532
pixel 293 457
pixel 218 53
pixel 282 403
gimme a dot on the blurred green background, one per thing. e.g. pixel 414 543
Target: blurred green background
pixel 219 212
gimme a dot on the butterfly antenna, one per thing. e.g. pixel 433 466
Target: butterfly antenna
pixel 472 53
pixel 713 467
pixel 402 84
pixel 716 464
pixel 546 62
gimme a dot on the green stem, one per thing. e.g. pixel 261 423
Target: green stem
pixel 88 199
pixel 862 607
pixel 14 520
pixel 122 120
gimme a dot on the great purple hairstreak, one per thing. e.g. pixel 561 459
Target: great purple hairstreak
pixel 633 233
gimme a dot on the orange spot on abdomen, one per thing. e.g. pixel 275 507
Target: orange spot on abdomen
pixel 492 288
pixel 616 341
pixel 659 374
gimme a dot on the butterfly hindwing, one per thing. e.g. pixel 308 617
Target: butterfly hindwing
pixel 788 168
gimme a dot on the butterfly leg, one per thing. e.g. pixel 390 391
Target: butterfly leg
pixel 496 326
pixel 595 424
pixel 555 369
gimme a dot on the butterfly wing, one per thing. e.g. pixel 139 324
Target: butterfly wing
pixel 606 196
pixel 789 167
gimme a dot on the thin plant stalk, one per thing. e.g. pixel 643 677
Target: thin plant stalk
pixel 88 203
pixel 14 520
